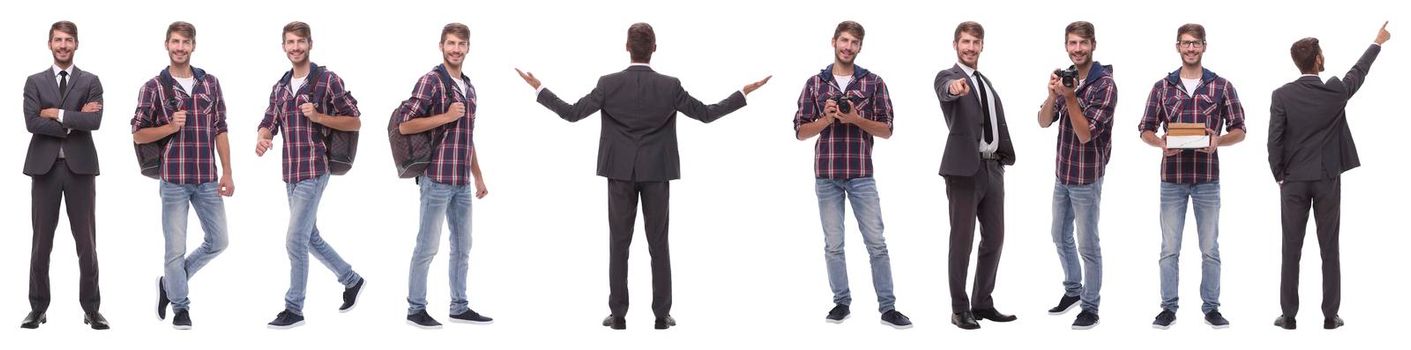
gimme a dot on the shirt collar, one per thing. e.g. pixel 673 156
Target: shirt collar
pixel 57 70
pixel 968 71
pixel 648 65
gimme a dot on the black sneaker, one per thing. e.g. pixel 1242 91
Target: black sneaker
pixel 895 319
pixel 1286 322
pixel 181 320
pixel 286 320
pixel 470 316
pixel 422 320
pixel 1086 320
pixel 1164 320
pixel 350 296
pixel 1332 323
pixel 1216 320
pixel 839 313
pixel 1064 305
pixel 162 300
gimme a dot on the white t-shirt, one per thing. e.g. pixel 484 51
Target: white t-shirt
pixel 297 83
pixel 460 84
pixel 1191 84
pixel 843 81
pixel 187 84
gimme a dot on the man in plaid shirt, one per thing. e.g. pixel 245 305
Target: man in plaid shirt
pixel 843 165
pixel 1083 111
pixel 1192 94
pixel 193 120
pixel 305 109
pixel 446 186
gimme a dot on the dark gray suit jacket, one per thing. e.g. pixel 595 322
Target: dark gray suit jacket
pixel 74 135
pixel 964 118
pixel 639 106
pixel 1309 138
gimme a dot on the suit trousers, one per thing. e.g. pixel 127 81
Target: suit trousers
pixel 622 217
pixel 1324 197
pixel 979 196
pixel 78 192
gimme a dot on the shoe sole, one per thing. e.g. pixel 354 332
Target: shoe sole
pixel 295 324
pixel 417 325
pixel 357 296
pixel 839 321
pixel 1070 308
pixel 160 308
pixel 457 320
pixel 896 326
pixel 1083 328
pixel 1212 325
pixel 181 328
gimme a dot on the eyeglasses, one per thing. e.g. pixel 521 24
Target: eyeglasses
pixel 1191 43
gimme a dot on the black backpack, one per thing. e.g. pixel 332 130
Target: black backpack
pixel 411 154
pixel 340 147
pixel 149 155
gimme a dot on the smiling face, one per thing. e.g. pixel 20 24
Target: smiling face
pixel 63 46
pixel 179 48
pixel 1192 49
pixel 845 48
pixel 296 48
pixel 453 50
pixel 1080 49
pixel 968 48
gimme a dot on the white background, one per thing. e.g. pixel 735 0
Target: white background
pixel 747 248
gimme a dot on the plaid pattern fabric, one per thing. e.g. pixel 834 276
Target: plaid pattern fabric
pixel 1214 104
pixel 844 151
pixel 451 162
pixel 189 157
pixel 305 154
pixel 1079 163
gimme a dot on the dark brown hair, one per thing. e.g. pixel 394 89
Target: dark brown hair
pixel 1082 29
pixel 459 30
pixel 1305 55
pixel 299 29
pixel 65 27
pixel 183 28
pixel 641 42
pixel 969 27
pixel 1195 30
pixel 851 27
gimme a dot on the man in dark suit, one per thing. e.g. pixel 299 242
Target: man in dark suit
pixel 977 149
pixel 638 155
pixel 1310 146
pixel 62 106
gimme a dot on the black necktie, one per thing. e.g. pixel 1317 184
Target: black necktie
pixel 984 107
pixel 63 85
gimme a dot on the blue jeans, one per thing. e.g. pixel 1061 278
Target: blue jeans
pixel 452 203
pixel 866 206
pixel 1206 197
pixel 303 236
pixel 1079 206
pixel 210 209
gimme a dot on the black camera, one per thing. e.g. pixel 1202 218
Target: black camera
pixel 1068 76
pixel 843 102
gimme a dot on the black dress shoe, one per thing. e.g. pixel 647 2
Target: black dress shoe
pixel 1332 323
pixel 1286 322
pixel 33 320
pixel 96 321
pixel 993 315
pixel 665 322
pixel 964 320
pixel 615 322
